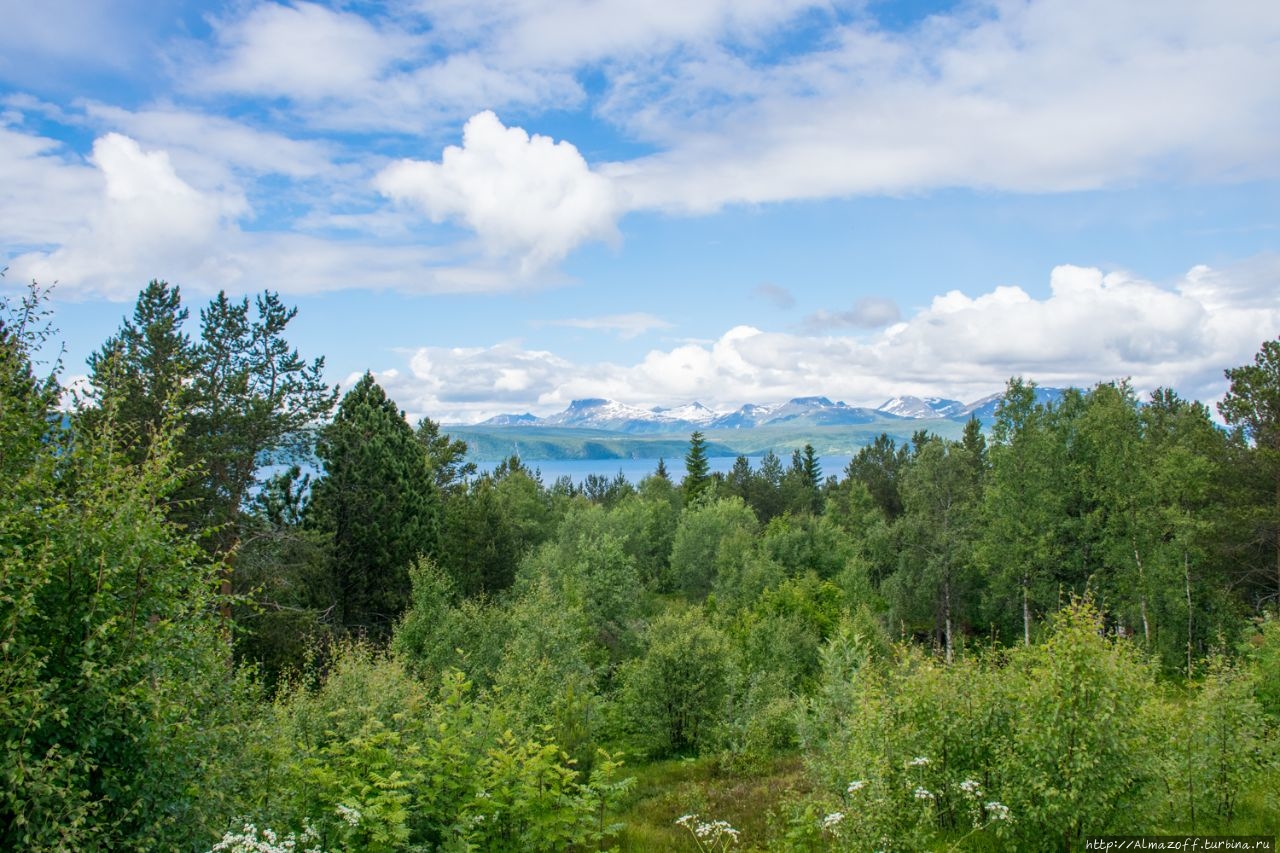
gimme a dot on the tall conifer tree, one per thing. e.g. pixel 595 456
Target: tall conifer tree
pixel 378 500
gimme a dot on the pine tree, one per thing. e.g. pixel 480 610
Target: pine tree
pixel 378 501
pixel 142 372
pixel 252 396
pixel 697 469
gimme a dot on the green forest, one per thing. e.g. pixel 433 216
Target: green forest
pixel 1059 627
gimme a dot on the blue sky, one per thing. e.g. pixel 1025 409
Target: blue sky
pixel 503 205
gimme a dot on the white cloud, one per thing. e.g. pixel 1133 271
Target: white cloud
pixel 1092 327
pixel 526 197
pixel 872 312
pixel 104 228
pixel 474 383
pixel 43 189
pixel 214 147
pixel 417 64
pixel 302 51
pixel 1046 96
pixel 539 33
pixel 146 219
pixel 626 326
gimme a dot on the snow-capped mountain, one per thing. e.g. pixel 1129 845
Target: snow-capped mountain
pixel 526 419
pixel 801 411
pixel 694 413
pixel 750 415
pixel 610 415
pixel 921 407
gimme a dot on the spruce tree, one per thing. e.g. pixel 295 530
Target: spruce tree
pixel 697 475
pixel 378 501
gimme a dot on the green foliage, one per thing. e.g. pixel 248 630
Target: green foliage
pixel 141 373
pixel 674 694
pixel 936 581
pixel 1023 512
pixel 590 570
pixel 373 760
pixel 708 536
pixel 878 466
pixel 1217 747
pixel 549 671
pixel 378 502
pixel 802 483
pixel 445 457
pixel 115 686
pixel 443 631
pixel 250 396
pixel 1253 405
pixel 646 521
pixel 1263 652
pixel 487 532
pixel 284 581
pixel 1079 759
pixel 1072 737
pixel 697 478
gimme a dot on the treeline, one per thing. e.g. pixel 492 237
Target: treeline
pixel 1053 629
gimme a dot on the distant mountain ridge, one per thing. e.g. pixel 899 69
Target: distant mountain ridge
pixel 612 416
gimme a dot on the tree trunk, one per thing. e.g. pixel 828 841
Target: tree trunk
pixel 1186 576
pixel 1026 610
pixel 946 614
pixel 1142 599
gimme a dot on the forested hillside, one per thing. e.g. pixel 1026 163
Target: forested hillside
pixel 1063 627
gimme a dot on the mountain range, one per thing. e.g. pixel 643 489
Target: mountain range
pixel 800 412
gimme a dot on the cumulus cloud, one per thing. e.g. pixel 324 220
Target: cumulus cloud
pixel 526 197
pixel 1093 326
pixel 146 218
pixel 871 312
pixel 103 227
pixel 44 190
pixel 473 383
pixel 625 326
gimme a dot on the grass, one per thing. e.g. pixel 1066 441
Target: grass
pixel 665 790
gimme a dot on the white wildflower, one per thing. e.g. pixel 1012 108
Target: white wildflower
pixel 923 793
pixel 350 815
pixel 832 820
pixel 970 787
pixel 856 785
pixel 998 811
pixel 716 832
pixel 919 761
pixel 250 840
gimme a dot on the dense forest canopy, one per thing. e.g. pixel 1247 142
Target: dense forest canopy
pixel 1061 627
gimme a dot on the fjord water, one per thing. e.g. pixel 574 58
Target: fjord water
pixel 635 470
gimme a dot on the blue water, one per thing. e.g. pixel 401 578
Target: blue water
pixel 636 470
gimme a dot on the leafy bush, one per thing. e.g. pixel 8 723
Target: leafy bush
pixel 373 760
pixel 673 696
